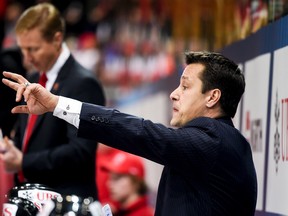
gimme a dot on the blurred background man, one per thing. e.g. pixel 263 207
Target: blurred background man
pixel 47 150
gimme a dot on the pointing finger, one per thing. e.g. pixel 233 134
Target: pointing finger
pixel 19 86
pixel 14 76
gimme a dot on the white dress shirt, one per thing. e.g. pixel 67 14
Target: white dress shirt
pixel 69 110
pixel 53 72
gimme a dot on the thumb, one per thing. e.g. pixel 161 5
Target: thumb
pixel 5 145
pixel 20 109
pixel 8 142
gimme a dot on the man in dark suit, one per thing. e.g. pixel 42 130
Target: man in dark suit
pixel 53 155
pixel 208 164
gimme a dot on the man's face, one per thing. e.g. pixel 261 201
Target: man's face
pixel 37 51
pixel 188 100
pixel 121 187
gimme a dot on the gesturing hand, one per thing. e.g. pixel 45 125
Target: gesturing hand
pixel 38 99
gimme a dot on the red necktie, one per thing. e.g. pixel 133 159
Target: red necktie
pixel 30 125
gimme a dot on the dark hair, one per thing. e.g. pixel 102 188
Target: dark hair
pixel 141 185
pixel 222 73
pixel 44 16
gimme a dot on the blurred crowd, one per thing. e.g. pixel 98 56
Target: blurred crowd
pixel 129 43
pixel 121 42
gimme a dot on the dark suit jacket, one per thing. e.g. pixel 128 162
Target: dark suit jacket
pixel 208 166
pixel 55 156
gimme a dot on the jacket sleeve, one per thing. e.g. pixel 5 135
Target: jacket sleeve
pixel 194 145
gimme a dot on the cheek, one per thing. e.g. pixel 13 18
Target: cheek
pixel 188 106
pixel 39 57
pixel 119 190
pixel 44 54
pixel 119 186
pixel 46 51
pixel 44 59
pixel 191 107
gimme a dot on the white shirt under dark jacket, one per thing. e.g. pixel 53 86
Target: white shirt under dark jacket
pixel 69 110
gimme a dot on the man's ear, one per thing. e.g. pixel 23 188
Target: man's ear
pixel 58 39
pixel 213 97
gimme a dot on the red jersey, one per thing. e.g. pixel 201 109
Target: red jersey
pixel 138 208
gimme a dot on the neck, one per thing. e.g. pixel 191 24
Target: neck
pixel 129 200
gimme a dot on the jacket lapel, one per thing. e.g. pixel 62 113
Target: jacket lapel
pixel 63 75
pixel 56 87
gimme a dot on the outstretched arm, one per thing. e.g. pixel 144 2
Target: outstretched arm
pixel 38 99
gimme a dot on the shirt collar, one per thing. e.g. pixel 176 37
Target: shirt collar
pixel 53 72
pixel 64 55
